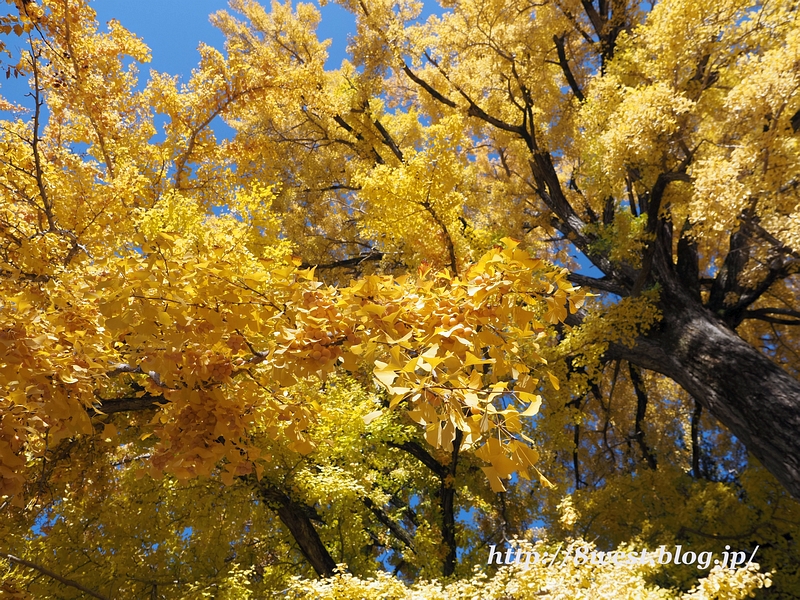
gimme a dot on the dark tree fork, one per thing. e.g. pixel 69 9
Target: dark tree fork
pixel 695 343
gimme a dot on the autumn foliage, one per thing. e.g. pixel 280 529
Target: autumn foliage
pixel 288 328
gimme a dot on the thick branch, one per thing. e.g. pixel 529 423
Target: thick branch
pixel 688 264
pixel 388 140
pixel 568 221
pixel 641 411
pixel 727 280
pixel 62 580
pixel 790 317
pixel 604 284
pixel 398 532
pixel 349 129
pixel 423 456
pixel 473 109
pixel 347 262
pixel 662 244
pixel 132 403
pixel 779 268
pixel 448 494
pixel 595 18
pixel 446 475
pixel 296 518
pixel 562 60
pixel 753 397
pixel 37 160
pixel 428 87
pixel 544 173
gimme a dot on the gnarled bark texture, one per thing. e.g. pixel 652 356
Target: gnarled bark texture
pixel 754 398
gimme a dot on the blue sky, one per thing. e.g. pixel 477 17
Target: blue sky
pixel 174 28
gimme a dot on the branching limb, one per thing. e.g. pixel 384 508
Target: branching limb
pixel 428 87
pixel 778 316
pixel 351 130
pixel 446 475
pixel 127 404
pixel 53 575
pixel 398 532
pixel 423 456
pixel 604 284
pixel 565 68
pixel 35 141
pixel 451 250
pixel 656 226
pixel 448 494
pixel 297 518
pixel 372 255
pixel 388 140
pixel 641 410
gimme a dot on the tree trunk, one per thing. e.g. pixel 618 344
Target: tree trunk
pixel 307 539
pixel 296 518
pixel 755 399
pixel 448 496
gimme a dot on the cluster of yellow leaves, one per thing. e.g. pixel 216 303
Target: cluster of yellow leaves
pixel 19 21
pixel 143 532
pixel 219 342
pixel 117 287
pixel 54 354
pixel 564 580
pixel 413 207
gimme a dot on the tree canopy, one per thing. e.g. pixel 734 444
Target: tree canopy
pixel 519 275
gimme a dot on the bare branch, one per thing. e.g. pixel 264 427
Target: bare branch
pixel 131 403
pixel 562 61
pixel 388 140
pixel 400 533
pixel 63 580
pixel 641 410
pixel 428 87
pixel 372 255
pixel 788 317
pixel 604 284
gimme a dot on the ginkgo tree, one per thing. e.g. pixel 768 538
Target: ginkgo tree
pixel 352 340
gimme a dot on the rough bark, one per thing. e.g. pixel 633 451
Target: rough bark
pixel 641 410
pixel 754 398
pixel 447 493
pixel 297 520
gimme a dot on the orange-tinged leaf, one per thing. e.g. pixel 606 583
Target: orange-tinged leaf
pixel 543 480
pixel 109 433
pixel 303 446
pixel 553 380
pixel 494 479
pixel 474 360
pixel 504 466
pixel 227 477
pixel 433 434
pixel 528 455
